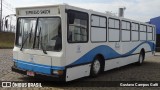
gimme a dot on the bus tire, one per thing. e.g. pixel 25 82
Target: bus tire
pixel 141 58
pixel 95 67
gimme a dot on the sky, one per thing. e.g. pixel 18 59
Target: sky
pixel 141 10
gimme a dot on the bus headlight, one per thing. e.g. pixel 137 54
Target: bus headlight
pixel 57 72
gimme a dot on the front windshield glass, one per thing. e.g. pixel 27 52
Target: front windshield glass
pixel 47 35
pixel 26 29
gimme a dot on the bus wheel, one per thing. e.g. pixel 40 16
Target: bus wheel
pixel 95 67
pixel 141 58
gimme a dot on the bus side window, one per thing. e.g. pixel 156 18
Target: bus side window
pixel 77 27
pixel 114 30
pixel 149 33
pixel 143 32
pixel 98 27
pixel 135 31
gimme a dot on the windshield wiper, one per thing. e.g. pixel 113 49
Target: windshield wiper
pixel 30 34
pixel 26 38
pixel 39 36
pixel 44 51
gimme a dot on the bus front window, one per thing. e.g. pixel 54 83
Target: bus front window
pixel 45 36
pixel 49 34
pixel 25 32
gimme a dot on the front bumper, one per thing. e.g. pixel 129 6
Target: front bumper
pixel 40 75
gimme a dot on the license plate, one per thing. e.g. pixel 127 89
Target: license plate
pixel 29 73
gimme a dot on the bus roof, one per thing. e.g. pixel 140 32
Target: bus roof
pixel 81 9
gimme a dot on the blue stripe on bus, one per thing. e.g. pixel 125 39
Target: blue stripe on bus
pixel 46 69
pixel 107 52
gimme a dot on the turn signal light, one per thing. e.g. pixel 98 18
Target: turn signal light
pixel 58 72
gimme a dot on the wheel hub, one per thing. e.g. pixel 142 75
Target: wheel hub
pixel 96 66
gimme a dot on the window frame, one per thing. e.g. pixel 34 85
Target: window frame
pixel 135 31
pixel 76 11
pixel 48 35
pixel 142 31
pixel 114 28
pixel 150 32
pixel 125 30
pixel 97 27
pixel 37 19
pixel 17 29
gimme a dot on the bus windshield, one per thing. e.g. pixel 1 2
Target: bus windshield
pixel 39 33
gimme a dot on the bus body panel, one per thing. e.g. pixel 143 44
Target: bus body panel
pixel 73 73
pixel 75 59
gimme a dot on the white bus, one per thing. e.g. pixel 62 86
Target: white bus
pixel 67 43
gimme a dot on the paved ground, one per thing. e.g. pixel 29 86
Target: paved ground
pixel 149 71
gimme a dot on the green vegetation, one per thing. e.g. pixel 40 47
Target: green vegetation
pixel 6 40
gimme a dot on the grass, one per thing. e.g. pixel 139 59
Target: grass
pixel 6 40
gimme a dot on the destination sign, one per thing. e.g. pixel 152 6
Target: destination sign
pixel 38 12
